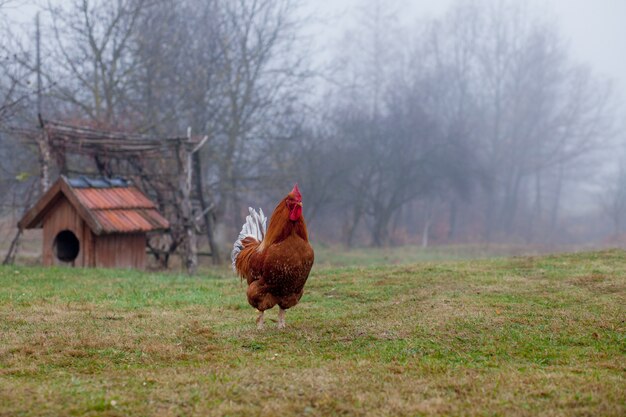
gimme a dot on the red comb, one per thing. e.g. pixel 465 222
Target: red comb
pixel 296 193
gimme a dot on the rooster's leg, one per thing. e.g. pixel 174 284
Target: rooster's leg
pixel 281 318
pixel 259 320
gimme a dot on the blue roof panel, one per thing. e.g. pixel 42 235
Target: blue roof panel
pixel 98 182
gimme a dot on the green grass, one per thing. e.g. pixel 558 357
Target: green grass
pixel 333 255
pixel 520 336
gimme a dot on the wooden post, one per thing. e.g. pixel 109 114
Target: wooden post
pixel 38 51
pixel 185 163
pixel 44 157
pixel 44 183
pixel 42 140
pixel 9 259
pixel 190 246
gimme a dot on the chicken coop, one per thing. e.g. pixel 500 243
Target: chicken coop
pixel 94 222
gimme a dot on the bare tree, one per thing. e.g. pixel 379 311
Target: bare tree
pixel 613 199
pixel 17 94
pixel 91 60
pixel 264 77
pixel 534 111
pixel 15 80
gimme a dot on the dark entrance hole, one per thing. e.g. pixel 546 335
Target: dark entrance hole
pixel 66 246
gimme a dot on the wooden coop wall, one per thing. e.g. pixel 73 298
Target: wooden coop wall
pixel 105 251
pixel 62 216
pixel 121 251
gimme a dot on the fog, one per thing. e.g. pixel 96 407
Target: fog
pixel 593 30
pixel 404 123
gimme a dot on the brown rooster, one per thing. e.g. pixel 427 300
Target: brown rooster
pixel 275 263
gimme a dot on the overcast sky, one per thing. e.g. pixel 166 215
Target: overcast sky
pixel 596 29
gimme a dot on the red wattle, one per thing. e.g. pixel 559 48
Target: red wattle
pixel 295 213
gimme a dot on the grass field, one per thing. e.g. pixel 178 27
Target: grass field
pixel 519 336
pixel 338 256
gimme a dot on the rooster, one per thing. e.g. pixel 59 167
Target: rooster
pixel 274 260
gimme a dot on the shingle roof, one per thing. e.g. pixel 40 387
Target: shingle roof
pixel 113 198
pixel 108 205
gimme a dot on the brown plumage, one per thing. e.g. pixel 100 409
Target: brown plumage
pixel 277 267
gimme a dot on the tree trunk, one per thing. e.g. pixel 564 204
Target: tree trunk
pixel 380 234
pixel 356 218
pixel 534 221
pixel 452 220
pixel 427 223
pixel 554 215
pixel 425 233
pixel 509 209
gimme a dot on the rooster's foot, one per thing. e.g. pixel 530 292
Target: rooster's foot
pixel 260 320
pixel 281 318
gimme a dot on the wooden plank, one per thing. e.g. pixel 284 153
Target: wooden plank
pixel 89 247
pixel 120 251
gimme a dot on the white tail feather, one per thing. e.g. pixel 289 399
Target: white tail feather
pixel 255 226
